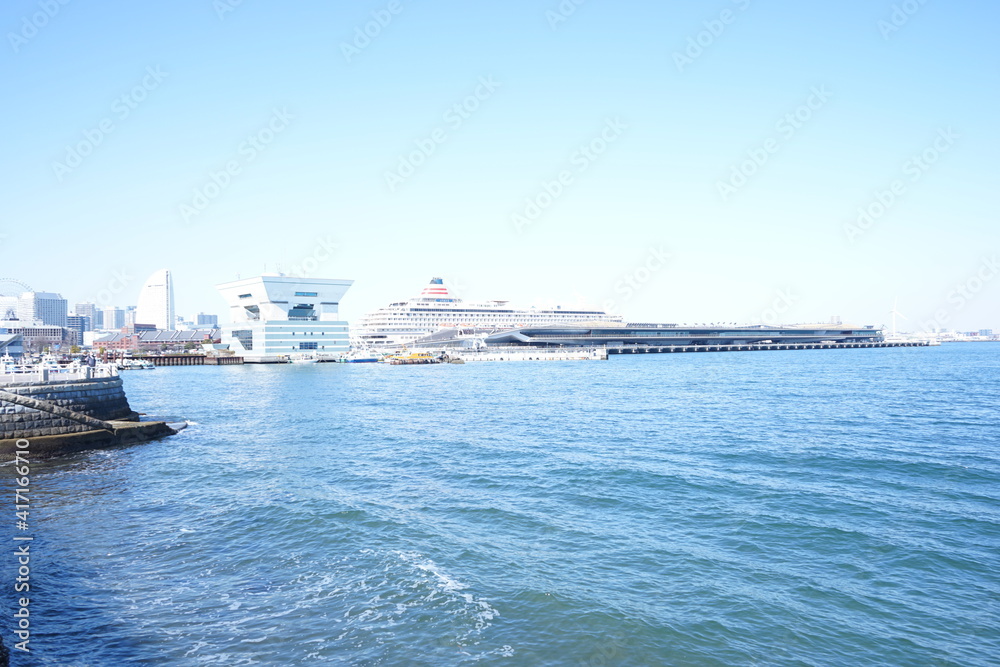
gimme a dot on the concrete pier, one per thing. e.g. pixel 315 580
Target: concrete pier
pixel 102 399
pixel 754 347
pixel 530 354
pixel 69 414
pixel 125 433
pixel 190 360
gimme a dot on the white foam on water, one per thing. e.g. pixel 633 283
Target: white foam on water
pixel 483 613
pixel 197 647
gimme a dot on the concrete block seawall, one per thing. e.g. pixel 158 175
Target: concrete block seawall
pixel 100 398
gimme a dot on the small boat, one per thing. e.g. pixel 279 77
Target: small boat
pixel 359 357
pixel 413 358
pixel 303 359
pixel 129 364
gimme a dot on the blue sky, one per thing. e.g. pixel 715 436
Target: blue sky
pixel 713 156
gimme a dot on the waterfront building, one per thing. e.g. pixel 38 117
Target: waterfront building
pixel 39 337
pixel 117 341
pixel 665 335
pixel 43 308
pixel 90 336
pixel 156 301
pixel 177 340
pixel 436 308
pixel 10 344
pixel 152 340
pixel 210 320
pixel 276 316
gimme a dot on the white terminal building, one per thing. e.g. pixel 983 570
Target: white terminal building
pixel 273 317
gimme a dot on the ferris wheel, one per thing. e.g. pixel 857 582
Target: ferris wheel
pixel 13 287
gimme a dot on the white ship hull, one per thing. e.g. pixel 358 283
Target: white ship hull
pixel 400 324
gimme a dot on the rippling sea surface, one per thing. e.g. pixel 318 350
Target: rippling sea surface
pixel 823 507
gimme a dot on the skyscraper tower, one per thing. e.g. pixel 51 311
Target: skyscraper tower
pixel 156 301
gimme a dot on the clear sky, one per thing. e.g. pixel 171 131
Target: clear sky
pixel 676 162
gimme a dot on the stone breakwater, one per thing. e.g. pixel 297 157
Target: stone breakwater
pixel 100 398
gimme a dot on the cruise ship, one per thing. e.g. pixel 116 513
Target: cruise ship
pixel 437 308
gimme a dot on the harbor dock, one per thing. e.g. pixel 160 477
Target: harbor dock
pixel 190 360
pixel 748 347
pixel 531 354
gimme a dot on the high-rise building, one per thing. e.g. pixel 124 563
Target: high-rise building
pixel 211 320
pixel 114 318
pixel 130 315
pixel 78 324
pixel 88 310
pixel 44 307
pixel 156 301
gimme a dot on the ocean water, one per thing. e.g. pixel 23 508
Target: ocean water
pixel 823 507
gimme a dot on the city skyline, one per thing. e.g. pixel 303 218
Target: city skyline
pixel 848 165
pixel 774 316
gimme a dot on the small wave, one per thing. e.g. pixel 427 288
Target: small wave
pixel 484 613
